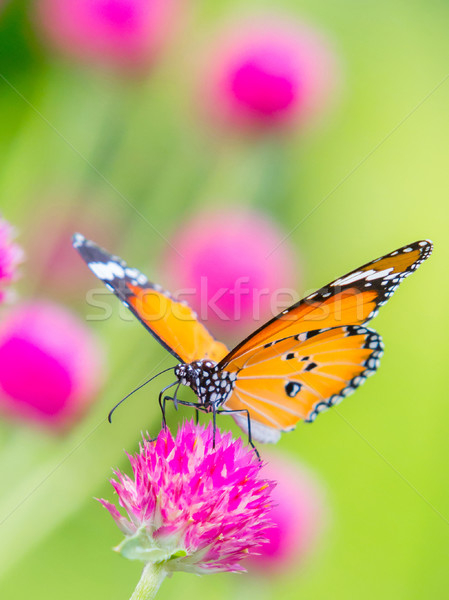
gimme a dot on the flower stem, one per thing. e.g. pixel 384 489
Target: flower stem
pixel 152 577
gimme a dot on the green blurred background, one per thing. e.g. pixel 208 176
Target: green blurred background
pixel 66 132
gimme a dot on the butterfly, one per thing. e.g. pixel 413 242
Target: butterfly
pixel 300 363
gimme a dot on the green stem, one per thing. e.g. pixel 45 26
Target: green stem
pixel 152 577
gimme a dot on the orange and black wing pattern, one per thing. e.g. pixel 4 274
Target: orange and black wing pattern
pixel 318 351
pixel 352 299
pixel 174 324
pixel 301 376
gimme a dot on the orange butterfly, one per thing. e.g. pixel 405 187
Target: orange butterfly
pixel 302 362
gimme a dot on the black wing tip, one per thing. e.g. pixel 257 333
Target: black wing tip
pixel 424 246
pixel 91 252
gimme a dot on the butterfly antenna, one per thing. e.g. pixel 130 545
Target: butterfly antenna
pixel 135 390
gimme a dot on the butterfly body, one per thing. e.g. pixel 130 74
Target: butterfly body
pixel 302 362
pixel 211 385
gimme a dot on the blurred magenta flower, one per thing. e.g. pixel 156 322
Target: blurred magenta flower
pixel 113 33
pixel 298 515
pixel 270 72
pixel 10 256
pixel 234 267
pixel 192 507
pixel 50 365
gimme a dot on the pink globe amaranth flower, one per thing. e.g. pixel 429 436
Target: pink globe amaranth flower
pixel 233 267
pixel 191 506
pixel 50 365
pixel 270 72
pixel 10 256
pixel 299 516
pixel 120 34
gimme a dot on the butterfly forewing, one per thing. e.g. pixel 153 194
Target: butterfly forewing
pixel 174 324
pixel 352 299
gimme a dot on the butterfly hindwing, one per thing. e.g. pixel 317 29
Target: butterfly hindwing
pixel 174 324
pixel 298 377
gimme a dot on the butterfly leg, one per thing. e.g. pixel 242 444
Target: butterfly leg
pixel 246 412
pixel 162 407
pixel 164 421
pixel 162 401
pixel 214 421
pixel 175 396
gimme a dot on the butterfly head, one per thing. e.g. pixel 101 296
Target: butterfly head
pixel 211 385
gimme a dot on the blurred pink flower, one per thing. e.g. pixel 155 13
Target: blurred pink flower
pixel 299 516
pixel 114 33
pixel 234 267
pixel 270 72
pixel 10 256
pixel 190 506
pixel 50 365
pixel 54 265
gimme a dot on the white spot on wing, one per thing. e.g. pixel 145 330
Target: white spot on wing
pixel 132 273
pixel 354 277
pixel 107 271
pixel 379 274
